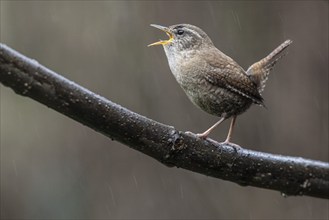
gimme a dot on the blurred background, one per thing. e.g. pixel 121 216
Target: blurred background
pixel 55 168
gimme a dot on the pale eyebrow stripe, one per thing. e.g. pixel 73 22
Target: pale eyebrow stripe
pixel 196 33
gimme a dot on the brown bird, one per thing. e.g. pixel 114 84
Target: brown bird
pixel 212 80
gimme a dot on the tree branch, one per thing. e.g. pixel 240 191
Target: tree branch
pixel 289 175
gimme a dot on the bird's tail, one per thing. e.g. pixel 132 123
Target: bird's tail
pixel 258 72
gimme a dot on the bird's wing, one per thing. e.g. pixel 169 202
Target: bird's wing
pixel 226 73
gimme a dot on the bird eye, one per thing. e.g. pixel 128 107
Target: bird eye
pixel 180 32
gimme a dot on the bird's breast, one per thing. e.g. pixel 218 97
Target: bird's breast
pixel 183 68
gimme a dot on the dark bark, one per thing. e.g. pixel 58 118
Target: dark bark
pixel 289 175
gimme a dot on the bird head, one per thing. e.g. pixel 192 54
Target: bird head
pixel 182 37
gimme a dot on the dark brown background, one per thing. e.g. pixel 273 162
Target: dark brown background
pixel 53 167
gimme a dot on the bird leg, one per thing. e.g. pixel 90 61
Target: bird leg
pixel 205 134
pixel 230 131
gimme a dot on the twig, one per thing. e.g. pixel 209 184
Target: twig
pixel 289 175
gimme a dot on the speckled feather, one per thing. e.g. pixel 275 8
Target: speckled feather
pixel 226 73
pixel 217 84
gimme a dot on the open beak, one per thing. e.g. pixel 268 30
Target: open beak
pixel 168 32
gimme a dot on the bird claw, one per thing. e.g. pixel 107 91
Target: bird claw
pixel 201 136
pixel 234 146
pixel 189 133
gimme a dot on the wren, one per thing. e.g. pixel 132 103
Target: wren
pixel 212 80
